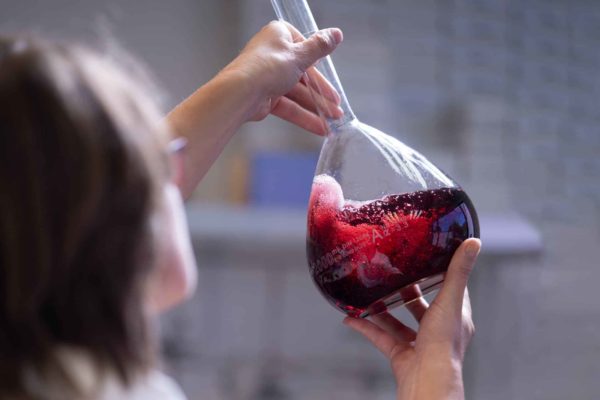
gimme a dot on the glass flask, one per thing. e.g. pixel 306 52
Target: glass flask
pixel 383 221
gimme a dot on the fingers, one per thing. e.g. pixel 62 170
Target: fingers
pixel 418 306
pixel 394 327
pixel 382 340
pixel 307 52
pixel 311 50
pixel 301 95
pixel 318 45
pixel 291 111
pixel 452 292
pixel 314 102
pixel 316 81
pixel 321 44
pixel 299 107
pixel 305 49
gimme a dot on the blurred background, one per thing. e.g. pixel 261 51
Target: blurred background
pixel 502 94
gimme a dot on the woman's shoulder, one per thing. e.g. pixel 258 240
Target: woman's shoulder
pixel 100 384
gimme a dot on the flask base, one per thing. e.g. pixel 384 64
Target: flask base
pixel 405 295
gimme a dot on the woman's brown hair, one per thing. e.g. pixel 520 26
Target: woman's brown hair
pixel 80 169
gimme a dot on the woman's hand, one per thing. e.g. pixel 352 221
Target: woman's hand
pixel 428 364
pixel 265 78
pixel 274 62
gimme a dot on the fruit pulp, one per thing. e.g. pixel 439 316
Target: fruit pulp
pixel 361 253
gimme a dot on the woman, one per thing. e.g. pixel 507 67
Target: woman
pixel 93 240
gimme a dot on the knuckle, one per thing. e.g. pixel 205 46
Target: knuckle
pixel 275 30
pixel 268 28
pixel 273 24
pixel 322 40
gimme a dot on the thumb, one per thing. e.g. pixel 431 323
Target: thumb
pixel 317 46
pixel 455 282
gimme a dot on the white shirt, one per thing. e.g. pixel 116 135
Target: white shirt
pixel 102 386
pixel 154 386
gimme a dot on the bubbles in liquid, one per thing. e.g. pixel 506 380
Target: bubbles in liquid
pixel 361 252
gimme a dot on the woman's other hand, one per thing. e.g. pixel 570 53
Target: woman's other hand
pixel 274 63
pixel 428 364
pixel 267 77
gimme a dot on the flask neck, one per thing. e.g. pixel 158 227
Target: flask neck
pixel 327 69
pixel 298 13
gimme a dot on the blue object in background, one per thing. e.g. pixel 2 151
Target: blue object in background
pixel 281 179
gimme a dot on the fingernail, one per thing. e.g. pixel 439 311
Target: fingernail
pixel 472 248
pixel 337 35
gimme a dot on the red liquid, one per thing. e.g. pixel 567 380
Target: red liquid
pixel 361 252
